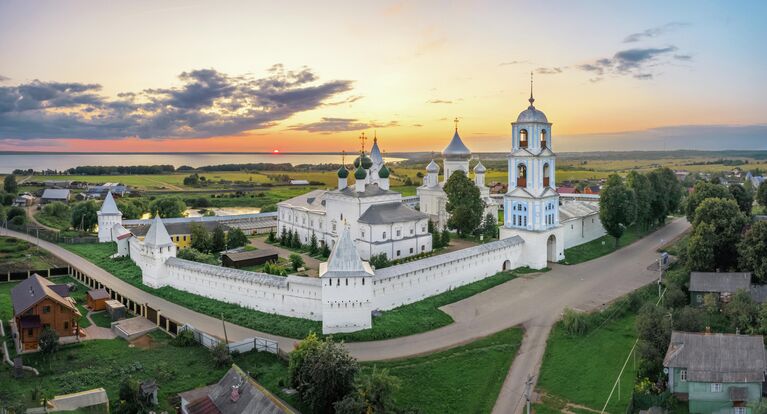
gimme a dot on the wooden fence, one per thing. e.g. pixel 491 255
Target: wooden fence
pixel 246 345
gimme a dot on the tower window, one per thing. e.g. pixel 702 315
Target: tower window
pixel 546 174
pixel 543 138
pixel 523 138
pixel 522 175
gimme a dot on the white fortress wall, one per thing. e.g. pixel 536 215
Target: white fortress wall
pixel 410 282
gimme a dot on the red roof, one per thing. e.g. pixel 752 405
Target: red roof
pixel 202 406
pixel 567 190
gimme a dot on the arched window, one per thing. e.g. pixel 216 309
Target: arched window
pixel 521 175
pixel 522 138
pixel 546 174
pixel 543 139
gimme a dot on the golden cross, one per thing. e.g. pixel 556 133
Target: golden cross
pixel 363 138
pixel 456 123
pixel 343 157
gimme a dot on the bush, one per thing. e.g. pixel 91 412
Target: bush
pixel 49 341
pixel 296 261
pixel 184 339
pixel 18 220
pixel 16 212
pixel 575 323
pixel 380 261
pixel 221 356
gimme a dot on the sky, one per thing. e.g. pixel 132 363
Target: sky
pixel 312 76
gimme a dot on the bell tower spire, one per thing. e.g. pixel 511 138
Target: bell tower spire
pixel 531 100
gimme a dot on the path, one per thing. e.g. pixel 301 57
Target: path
pixel 311 263
pixel 96 332
pixel 31 216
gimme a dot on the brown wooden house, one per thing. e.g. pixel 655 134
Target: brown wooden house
pixel 39 303
pixel 97 299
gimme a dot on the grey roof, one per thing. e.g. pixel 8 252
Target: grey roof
pixel 178 228
pixel 433 167
pixel 32 290
pixel 157 235
pixel 270 216
pixel 250 254
pixel 390 213
pixel 252 397
pixel 479 168
pixel 531 114
pixel 456 148
pixel 109 206
pixel 312 201
pixel 717 357
pixel 759 293
pixel 719 282
pixel 440 259
pixel 55 194
pixel 371 190
pixel 344 260
pixel 96 294
pixel 229 272
pixel 574 209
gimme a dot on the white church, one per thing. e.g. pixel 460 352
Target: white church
pixel 369 218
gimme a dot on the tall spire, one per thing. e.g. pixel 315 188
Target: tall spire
pixel 456 123
pixel 375 136
pixel 531 100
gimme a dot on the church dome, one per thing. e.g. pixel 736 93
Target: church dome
pixel 433 167
pixel 366 162
pixel 383 172
pixel 343 172
pixel 360 173
pixel 532 115
pixel 456 149
pixel 479 168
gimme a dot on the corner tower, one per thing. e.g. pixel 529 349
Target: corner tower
pixel 531 205
pixel 108 216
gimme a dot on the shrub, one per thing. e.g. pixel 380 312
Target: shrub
pixel 49 341
pixel 221 356
pixel 575 323
pixel 184 339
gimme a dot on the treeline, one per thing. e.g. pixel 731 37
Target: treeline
pixel 264 166
pixel 165 169
pixel 721 161
pixel 114 170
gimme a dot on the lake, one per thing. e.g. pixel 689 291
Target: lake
pixel 63 161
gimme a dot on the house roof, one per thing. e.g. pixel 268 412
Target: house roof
pixel 228 272
pixel 31 291
pixel 719 282
pixel 238 393
pixel 97 294
pixel 717 357
pixel 61 289
pixel 247 255
pixel 371 190
pixel 176 228
pixel 55 194
pixel 573 209
pixel 311 201
pixel 390 213
pixel 759 293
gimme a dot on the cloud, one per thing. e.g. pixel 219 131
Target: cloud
pixel 348 100
pixel 514 62
pixel 206 103
pixel 4 78
pixel 685 58
pixel 417 125
pixel 439 101
pixel 654 32
pixel 633 62
pixel 549 71
pixel 328 125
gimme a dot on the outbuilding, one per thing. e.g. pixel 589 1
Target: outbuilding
pixel 248 258
pixel 50 195
pixel 97 299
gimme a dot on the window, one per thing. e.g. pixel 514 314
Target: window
pixel 683 375
pixel 399 233
pixel 423 228
pixel 739 410
pixel 30 332
pixel 362 232
pixel 66 324
pixel 398 253
pixel 523 138
pixel 347 282
pixel 411 231
pixel 716 387
pixel 384 235
pixel 423 248
pixel 184 238
pixel 411 250
pixel 46 309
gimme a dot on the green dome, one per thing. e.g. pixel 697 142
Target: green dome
pixel 343 172
pixel 384 172
pixel 366 162
pixel 360 173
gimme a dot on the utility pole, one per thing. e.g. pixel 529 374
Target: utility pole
pixel 224 323
pixel 528 389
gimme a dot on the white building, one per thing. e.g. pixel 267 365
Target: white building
pixel 376 216
pixel 108 216
pixel 432 196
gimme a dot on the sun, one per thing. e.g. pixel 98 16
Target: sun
pixel 276 151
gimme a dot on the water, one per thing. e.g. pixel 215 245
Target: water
pixel 63 161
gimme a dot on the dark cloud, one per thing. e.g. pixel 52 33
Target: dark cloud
pixel 685 58
pixel 207 103
pixel 328 125
pixel 514 62
pixel 417 125
pixel 633 62
pixel 348 100
pixel 549 71
pixel 4 78
pixel 439 101
pixel 654 32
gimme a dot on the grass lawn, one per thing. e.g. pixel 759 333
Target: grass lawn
pixel 102 319
pixel 53 221
pixel 602 246
pixel 465 379
pixel 103 363
pixel 19 255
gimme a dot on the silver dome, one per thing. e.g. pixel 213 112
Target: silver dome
pixel 456 148
pixel 532 115
pixel 433 167
pixel 479 168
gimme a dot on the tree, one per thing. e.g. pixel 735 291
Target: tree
pixel 762 318
pixel 742 197
pixel 673 189
pixel 13 212
pixel 752 251
pixel 236 238
pixel 490 226
pixel 57 209
pixel 221 355
pixel 464 203
pixel 296 261
pixel 436 240
pixel 195 255
pixel 761 194
pixel 85 215
pixel 742 312
pixel 200 237
pixel 270 238
pixel 9 184
pixel 131 209
pixel 654 333
pixel 380 260
pixel 322 372
pixel 373 394
pixel 295 241
pixel 129 402
pixel 642 188
pixel 218 240
pixel 284 237
pixel 325 250
pixel 48 341
pixel 617 208
pixel 702 191
pixel 723 223
pixel 445 238
pixel 313 245
pixel 168 207
pixel 689 319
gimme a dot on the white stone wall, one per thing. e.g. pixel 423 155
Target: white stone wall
pixel 582 230
pixel 347 304
pixel 106 222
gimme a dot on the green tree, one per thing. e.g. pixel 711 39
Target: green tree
pixel 130 401
pixel 295 241
pixel 445 237
pixel 297 358
pixel 762 318
pixel 168 207
pixel 689 319
pixel 742 312
pixel 218 240
pixel 284 237
pixel 742 197
pixel 654 333
pixel 270 238
pixel 85 215
pixel 673 189
pixel 131 209
pixel 195 255
pixel 313 245
pixel 642 188
pixel 373 394
pixel 436 240
pixel 48 341
pixel 325 250
pixel 752 251
pixel 463 203
pixel 200 238
pixel 380 261
pixel 702 191
pixel 617 208
pixel 296 261
pixel 10 185
pixel 221 355
pixel 723 223
pixel 57 209
pixel 236 238
pixel 761 194
pixel 490 226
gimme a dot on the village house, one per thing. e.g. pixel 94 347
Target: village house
pixel 716 373
pixel 38 304
pixel 181 232
pixel 97 299
pixel 723 285
pixel 50 195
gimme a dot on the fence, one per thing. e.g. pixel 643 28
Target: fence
pixel 15 276
pixel 246 345
pixel 52 236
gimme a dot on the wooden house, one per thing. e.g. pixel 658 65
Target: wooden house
pixel 39 303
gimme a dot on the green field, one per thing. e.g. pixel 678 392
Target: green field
pixel 602 246
pixel 19 255
pixel 465 379
pixel 52 221
pixel 102 319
